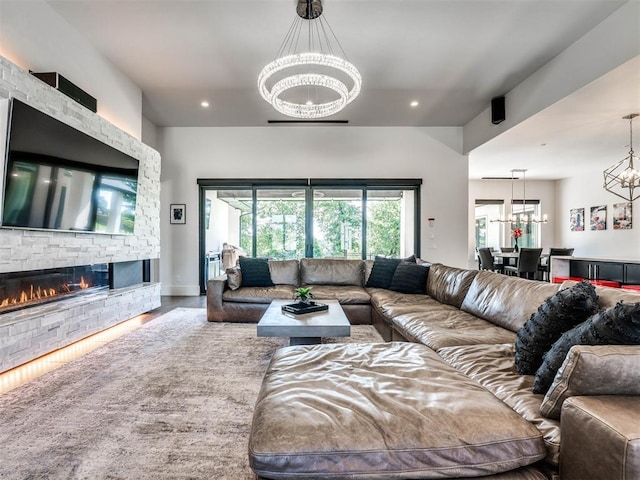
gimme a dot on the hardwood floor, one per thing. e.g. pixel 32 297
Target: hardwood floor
pixel 25 373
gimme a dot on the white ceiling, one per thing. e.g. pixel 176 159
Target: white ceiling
pixel 452 56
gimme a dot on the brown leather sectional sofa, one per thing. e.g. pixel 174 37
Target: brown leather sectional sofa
pixel 341 280
pixel 442 399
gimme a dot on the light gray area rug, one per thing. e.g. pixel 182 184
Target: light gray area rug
pixel 171 400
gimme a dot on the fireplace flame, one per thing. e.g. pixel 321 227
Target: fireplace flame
pixel 35 294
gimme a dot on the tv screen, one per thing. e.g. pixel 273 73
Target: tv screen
pixel 57 177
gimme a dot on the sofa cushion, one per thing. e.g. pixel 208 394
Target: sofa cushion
pixel 440 325
pixel 363 411
pixel 390 303
pixel 618 325
pixel 285 272
pixel 449 284
pixel 346 295
pixel 368 266
pixel 608 296
pixel 492 367
pixel 594 370
pixel 556 315
pixel 505 301
pixel 600 438
pixel 259 294
pixel 409 278
pixel 255 272
pixel 323 271
pixel 234 277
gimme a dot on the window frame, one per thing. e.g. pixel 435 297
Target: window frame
pixel 309 185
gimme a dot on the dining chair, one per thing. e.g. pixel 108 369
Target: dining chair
pixel 507 249
pixel 527 266
pixel 487 260
pixel 543 268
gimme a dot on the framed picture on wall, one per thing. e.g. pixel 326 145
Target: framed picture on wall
pixel 622 216
pixel 178 213
pixel 576 219
pixel 598 217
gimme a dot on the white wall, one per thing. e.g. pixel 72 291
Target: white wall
pixel 320 152
pixel 585 191
pixel 545 191
pixel 35 37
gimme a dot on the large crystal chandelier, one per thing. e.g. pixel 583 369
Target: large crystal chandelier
pixel 623 177
pixel 312 84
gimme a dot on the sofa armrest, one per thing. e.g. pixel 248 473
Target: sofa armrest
pixel 600 438
pixel 594 370
pixel 215 288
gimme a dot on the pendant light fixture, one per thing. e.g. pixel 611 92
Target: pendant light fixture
pixel 314 83
pixel 522 217
pixel 623 178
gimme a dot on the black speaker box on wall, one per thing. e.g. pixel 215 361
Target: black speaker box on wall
pixel 60 83
pixel 497 110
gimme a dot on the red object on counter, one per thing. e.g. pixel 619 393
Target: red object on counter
pixel 564 279
pixel 605 283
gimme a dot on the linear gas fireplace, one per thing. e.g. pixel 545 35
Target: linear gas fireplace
pixel 34 287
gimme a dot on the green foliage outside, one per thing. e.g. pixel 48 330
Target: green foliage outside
pixel 383 228
pixel 337 229
pixel 280 226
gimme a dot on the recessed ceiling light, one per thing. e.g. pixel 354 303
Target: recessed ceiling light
pixel 414 104
pixel 204 104
pixel 309 102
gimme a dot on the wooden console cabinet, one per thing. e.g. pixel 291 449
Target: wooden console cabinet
pixel 616 270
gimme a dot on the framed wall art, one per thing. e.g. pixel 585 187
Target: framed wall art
pixel 576 219
pixel 178 213
pixel 622 217
pixel 598 217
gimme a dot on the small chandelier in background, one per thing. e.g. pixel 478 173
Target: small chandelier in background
pixel 310 84
pixel 522 217
pixel 623 178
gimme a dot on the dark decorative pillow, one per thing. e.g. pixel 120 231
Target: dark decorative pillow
pixel 556 315
pixel 618 325
pixel 383 270
pixel 409 278
pixel 255 272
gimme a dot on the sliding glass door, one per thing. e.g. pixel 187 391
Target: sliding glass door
pixel 290 219
pixel 337 223
pixel 280 223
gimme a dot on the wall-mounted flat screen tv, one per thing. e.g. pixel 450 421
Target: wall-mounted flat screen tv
pixel 57 177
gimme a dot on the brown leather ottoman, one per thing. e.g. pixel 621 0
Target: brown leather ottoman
pixel 392 411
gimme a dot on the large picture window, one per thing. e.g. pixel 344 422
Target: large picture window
pixel 296 218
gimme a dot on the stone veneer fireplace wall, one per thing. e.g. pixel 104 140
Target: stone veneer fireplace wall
pixel 32 332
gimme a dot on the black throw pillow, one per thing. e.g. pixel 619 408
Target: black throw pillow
pixel 255 272
pixel 618 325
pixel 556 315
pixel 409 278
pixel 383 270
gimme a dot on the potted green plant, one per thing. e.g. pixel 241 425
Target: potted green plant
pixel 303 294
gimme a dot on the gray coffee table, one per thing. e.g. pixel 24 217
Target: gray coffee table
pixel 305 329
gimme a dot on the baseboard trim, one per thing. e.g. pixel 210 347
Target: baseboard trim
pixel 180 290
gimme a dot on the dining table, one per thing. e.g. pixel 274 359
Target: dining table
pixel 511 258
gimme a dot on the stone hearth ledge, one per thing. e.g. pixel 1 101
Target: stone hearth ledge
pixel 32 332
